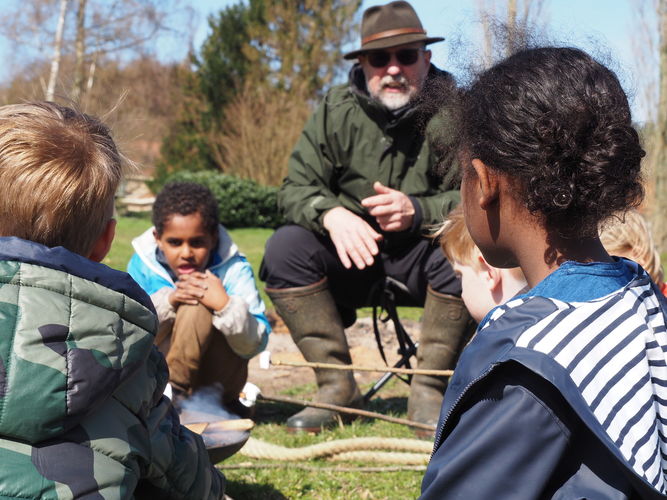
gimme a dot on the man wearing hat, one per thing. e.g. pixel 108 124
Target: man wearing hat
pixel 360 197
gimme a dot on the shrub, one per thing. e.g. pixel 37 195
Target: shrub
pixel 242 203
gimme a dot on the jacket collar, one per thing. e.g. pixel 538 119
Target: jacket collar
pixel 61 259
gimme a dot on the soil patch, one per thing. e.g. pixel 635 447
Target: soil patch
pixel 363 348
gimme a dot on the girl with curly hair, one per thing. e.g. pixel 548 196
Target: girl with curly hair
pixel 563 391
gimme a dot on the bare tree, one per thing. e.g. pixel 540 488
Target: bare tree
pixel 507 25
pixel 57 49
pixel 660 138
pixel 98 29
pixel 80 51
pixel 649 44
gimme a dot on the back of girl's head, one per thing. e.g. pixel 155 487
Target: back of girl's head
pixel 557 122
pixel 630 236
pixel 185 198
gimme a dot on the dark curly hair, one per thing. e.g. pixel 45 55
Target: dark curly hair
pixel 185 198
pixel 558 122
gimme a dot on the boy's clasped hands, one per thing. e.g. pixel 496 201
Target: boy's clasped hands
pixel 199 288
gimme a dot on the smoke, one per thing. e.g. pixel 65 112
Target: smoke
pixel 208 400
pixel 205 405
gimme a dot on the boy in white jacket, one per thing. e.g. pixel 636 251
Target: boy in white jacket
pixel 211 316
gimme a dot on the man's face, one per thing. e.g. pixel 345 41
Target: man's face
pixel 401 76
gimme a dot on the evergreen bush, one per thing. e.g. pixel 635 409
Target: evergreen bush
pixel 241 202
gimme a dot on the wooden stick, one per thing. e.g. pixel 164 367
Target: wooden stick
pixel 239 424
pixel 403 371
pixel 353 411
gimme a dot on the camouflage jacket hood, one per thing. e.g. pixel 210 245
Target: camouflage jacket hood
pixel 58 360
pixel 81 406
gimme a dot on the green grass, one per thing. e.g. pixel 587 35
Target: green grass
pixel 291 481
pixel 127 228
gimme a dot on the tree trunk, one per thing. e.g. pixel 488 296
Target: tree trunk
pixel 660 206
pixel 511 27
pixel 80 50
pixel 57 44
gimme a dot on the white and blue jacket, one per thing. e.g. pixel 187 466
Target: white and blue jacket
pixel 559 399
pixel 245 311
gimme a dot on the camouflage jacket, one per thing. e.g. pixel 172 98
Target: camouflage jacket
pixel 81 408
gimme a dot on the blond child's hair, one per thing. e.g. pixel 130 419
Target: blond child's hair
pixel 455 240
pixel 59 171
pixel 629 235
pixel 458 245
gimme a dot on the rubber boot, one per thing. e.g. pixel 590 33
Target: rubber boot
pixel 446 329
pixel 316 328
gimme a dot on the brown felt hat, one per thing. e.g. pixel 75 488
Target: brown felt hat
pixel 385 26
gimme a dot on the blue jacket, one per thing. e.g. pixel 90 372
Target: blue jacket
pixel 556 399
pixel 228 264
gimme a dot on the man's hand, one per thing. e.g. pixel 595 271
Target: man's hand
pixel 392 209
pixel 199 288
pixel 354 239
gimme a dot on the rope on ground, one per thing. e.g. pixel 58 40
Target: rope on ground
pixel 338 468
pixel 368 449
pixel 351 411
pixel 331 366
pixel 383 457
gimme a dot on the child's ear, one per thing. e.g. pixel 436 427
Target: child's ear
pixel 488 184
pixel 492 275
pixel 156 236
pixel 103 244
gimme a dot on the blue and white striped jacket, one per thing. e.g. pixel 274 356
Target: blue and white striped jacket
pixel 576 406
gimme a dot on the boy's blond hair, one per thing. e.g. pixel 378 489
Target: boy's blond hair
pixel 629 235
pixel 456 242
pixel 458 245
pixel 59 170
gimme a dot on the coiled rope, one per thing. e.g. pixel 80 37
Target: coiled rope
pixel 320 468
pixel 366 449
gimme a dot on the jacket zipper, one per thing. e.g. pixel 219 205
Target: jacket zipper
pixel 436 443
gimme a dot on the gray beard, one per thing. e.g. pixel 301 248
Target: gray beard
pixel 394 102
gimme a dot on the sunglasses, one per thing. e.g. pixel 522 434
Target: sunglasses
pixel 380 58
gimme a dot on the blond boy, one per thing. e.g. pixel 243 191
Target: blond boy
pixel 629 236
pixel 81 411
pixel 484 286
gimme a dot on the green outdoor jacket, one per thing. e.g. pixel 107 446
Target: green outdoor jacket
pixel 352 141
pixel 81 408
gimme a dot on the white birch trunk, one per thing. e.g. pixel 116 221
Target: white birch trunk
pixel 57 46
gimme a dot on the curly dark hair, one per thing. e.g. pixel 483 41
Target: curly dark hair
pixel 558 122
pixel 185 198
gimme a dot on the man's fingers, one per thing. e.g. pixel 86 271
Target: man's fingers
pixel 342 255
pixel 382 210
pixel 358 252
pixel 377 200
pixel 381 188
pixel 359 260
pixel 390 222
